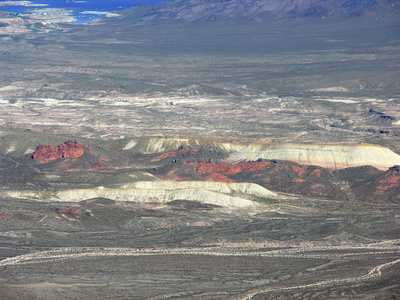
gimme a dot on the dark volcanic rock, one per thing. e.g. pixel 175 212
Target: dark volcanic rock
pixel 186 204
pixel 98 165
pixel 97 201
pixel 189 154
pixel 357 175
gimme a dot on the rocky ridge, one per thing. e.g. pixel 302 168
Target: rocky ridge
pixel 210 173
pixel 333 157
pixel 282 176
pixel 382 188
pixel 258 11
pixel 222 194
pixel 363 183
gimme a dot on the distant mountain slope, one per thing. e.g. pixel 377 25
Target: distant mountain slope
pixel 214 10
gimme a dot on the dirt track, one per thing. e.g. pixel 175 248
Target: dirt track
pixel 389 247
pixel 378 251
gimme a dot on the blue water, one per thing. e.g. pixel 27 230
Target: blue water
pixel 79 6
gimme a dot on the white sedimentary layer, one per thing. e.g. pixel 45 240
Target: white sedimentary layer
pixel 218 193
pixel 130 145
pixel 220 187
pixel 328 156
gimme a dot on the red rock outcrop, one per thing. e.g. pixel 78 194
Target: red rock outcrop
pixel 47 153
pixel 227 169
pixel 219 178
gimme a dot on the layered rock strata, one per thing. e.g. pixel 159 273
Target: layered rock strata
pixel 332 157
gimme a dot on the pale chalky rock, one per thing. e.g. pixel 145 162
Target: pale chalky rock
pixel 333 157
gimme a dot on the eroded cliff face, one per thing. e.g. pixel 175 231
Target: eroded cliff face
pixel 332 157
pixel 47 153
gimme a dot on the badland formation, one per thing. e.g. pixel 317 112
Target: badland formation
pixel 201 150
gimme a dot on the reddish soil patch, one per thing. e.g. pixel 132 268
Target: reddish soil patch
pixel 90 201
pixel 70 213
pixel 316 173
pixel 298 180
pixel 165 155
pixel 210 168
pixel 186 150
pixel 93 152
pixel 318 189
pixel 298 170
pixel 98 165
pixel 219 177
pixel 391 181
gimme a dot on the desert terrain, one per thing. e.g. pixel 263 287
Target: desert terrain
pixel 196 150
